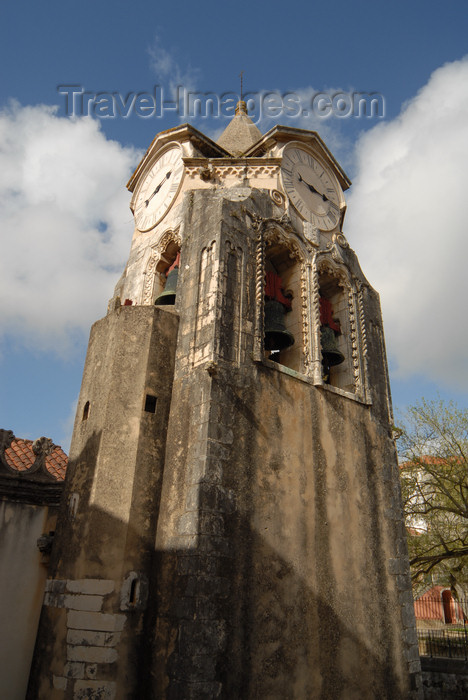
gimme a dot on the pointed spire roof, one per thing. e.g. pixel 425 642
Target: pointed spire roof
pixel 241 133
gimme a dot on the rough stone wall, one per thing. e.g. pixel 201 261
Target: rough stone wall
pixel 444 686
pixel 277 574
pixel 325 527
pixel 91 639
pixel 257 549
pixel 444 679
pixel 281 561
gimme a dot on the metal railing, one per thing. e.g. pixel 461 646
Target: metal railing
pixel 442 626
pixel 451 644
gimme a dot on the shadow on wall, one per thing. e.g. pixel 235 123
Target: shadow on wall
pixel 226 617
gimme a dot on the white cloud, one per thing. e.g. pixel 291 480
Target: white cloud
pixel 168 71
pixel 407 223
pixel 302 111
pixel 65 222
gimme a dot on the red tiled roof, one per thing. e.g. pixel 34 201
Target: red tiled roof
pixel 428 459
pixel 20 456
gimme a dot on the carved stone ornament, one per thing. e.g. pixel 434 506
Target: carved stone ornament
pixel 44 543
pixel 266 223
pixel 43 446
pixel 335 251
pixel 206 172
pixel 168 237
pixel 276 232
pixel 6 438
pixel 340 239
pixel 238 170
pixel 278 198
pixel 326 262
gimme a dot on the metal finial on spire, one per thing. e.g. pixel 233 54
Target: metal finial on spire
pixel 241 107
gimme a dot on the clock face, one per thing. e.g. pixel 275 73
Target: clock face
pixel 311 188
pixel 159 189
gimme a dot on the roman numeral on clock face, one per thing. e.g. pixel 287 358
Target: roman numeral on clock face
pixel 314 220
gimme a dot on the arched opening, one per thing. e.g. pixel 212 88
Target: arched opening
pixel 449 607
pixel 336 349
pixel 283 321
pixel 85 411
pixel 167 275
pixel 134 592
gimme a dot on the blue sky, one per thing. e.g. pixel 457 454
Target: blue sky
pixel 64 218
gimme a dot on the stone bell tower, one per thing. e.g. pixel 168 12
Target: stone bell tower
pixel 232 525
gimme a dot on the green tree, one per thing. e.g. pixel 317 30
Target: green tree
pixel 433 448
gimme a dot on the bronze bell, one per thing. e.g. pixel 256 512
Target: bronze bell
pixel 331 356
pixel 276 335
pixel 168 296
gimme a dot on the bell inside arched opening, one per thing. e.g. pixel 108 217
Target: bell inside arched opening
pixel 282 307
pixel 335 333
pixel 167 276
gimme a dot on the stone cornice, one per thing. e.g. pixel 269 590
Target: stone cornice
pixel 25 489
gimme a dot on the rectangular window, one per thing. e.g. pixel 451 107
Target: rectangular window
pixel 150 403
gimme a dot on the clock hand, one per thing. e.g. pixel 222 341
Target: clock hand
pixel 312 189
pixel 166 177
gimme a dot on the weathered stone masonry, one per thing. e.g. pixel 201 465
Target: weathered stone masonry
pixel 241 515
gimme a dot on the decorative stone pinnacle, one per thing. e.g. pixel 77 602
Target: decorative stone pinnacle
pixel 6 438
pixel 43 446
pixel 241 107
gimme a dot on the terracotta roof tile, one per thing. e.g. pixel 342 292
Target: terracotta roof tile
pixel 19 455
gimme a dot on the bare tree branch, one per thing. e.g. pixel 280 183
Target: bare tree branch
pixel 434 479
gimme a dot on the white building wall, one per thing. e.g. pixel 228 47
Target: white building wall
pixel 22 582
